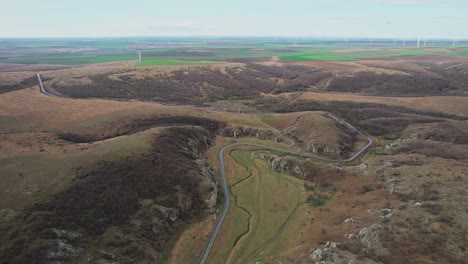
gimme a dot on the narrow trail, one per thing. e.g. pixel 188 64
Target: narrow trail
pixel 295 122
pixel 276 235
pixel 281 227
pixel 291 142
pixel 236 204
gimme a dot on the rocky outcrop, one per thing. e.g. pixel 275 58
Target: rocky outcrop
pixel 339 142
pixel 330 254
pixel 209 189
pixel 286 165
pixel 62 250
pixel 239 132
pixel 370 239
pixel 302 169
pixel 320 148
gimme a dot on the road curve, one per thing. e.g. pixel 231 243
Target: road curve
pixel 227 202
pixel 41 85
pixel 220 219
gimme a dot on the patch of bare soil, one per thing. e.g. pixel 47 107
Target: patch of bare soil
pixel 250 60
pixel 7 67
pixel 443 104
pixel 399 65
pixel 437 59
pixel 333 66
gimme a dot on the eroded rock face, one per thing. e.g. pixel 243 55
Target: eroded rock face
pixel 330 254
pixel 65 234
pixel 239 132
pixel 62 250
pixel 324 256
pixel 286 165
pixel 370 238
pixel 209 189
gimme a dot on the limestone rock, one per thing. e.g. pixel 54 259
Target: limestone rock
pixel 60 249
pixel 67 235
pixel 370 238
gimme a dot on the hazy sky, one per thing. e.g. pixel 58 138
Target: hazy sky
pixel 340 18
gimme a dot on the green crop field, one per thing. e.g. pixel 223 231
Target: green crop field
pixel 72 59
pixel 316 56
pixel 188 51
pixel 155 61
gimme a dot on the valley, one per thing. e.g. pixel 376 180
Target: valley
pixel 361 159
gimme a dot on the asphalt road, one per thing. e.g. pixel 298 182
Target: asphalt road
pixel 227 202
pixel 222 215
pixel 43 90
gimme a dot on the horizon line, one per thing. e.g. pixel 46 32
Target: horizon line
pixel 299 37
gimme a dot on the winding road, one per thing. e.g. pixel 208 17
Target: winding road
pixel 220 219
pixel 41 85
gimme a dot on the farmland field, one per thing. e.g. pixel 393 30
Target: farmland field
pixel 189 51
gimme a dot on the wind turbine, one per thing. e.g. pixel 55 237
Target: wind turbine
pixel 139 56
pixel 454 42
pixel 419 39
pixel 404 42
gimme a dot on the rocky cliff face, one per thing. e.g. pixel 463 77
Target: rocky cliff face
pixel 302 169
pixel 345 140
pixel 287 165
pixel 239 132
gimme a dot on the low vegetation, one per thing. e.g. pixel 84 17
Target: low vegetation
pixel 198 85
pixel 201 84
pixel 129 126
pixel 28 82
pixel 396 84
pixel 376 119
pixel 99 208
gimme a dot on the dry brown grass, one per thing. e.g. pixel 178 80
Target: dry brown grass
pixel 313 128
pixel 27 110
pixel 399 65
pixel 306 126
pixel 9 67
pixel 345 67
pixel 453 105
pixel 34 162
pixel 12 78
